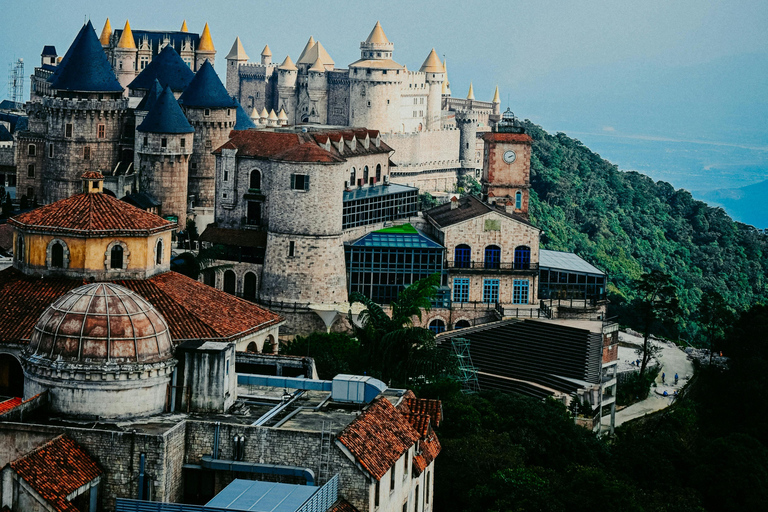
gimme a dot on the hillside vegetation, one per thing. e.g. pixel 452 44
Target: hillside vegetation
pixel 627 224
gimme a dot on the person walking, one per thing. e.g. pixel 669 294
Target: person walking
pixel 675 379
pixel 663 376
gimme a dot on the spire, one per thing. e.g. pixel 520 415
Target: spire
pixel 167 67
pixel 446 84
pixel 106 33
pixel 266 52
pixel 496 98
pixel 150 97
pixel 237 52
pixel 377 35
pixel 282 116
pixel 316 52
pixel 242 120
pixel 309 46
pixel 206 90
pixel 264 115
pixel 165 116
pixel 471 93
pixel 255 114
pixel 126 38
pixel 184 27
pixel 432 64
pixel 85 66
pixel 288 64
pixel 272 115
pixel 206 43
pixel 318 66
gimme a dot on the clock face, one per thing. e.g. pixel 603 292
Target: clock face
pixel 509 156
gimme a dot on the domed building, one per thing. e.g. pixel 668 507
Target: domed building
pixel 101 351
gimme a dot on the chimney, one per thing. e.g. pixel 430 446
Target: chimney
pixel 93 182
pixel 454 202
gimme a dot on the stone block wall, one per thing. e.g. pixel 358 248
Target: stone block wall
pixel 211 131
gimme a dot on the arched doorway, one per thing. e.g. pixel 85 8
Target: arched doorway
pixel 249 285
pixel 269 345
pixel 11 376
pixel 229 281
pixel 462 324
pixel 437 326
pixel 252 347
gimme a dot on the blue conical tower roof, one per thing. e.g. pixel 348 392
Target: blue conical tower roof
pixel 206 90
pixel 166 116
pixel 149 99
pixel 168 68
pixel 242 121
pixel 85 66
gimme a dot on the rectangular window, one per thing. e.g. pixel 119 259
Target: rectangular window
pixel 405 507
pixel 207 112
pixel 426 489
pixel 299 182
pixel 50 150
pixel 164 142
pixel 183 143
pixel 415 101
pixel 405 466
pixel 101 131
pixel 376 493
pixel 31 150
pixel 491 290
pixel 87 153
pixel 392 479
pixel 226 175
pixel 520 291
pixel 208 145
pixel 461 289
pixel 146 140
pixel 291 248
pixel 31 171
pixel 68 130
pixel 416 499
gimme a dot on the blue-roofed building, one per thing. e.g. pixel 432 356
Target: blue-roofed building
pixel 206 90
pixel 165 116
pixel 382 263
pixel 168 68
pixel 145 105
pixel 243 120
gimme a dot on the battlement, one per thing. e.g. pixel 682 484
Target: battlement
pixel 464 105
pixel 85 104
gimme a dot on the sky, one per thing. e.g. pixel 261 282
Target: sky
pixel 665 87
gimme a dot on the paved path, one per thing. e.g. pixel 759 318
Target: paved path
pixel 673 360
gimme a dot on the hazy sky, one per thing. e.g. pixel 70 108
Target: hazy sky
pixel 676 69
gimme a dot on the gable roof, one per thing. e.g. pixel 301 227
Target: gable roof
pixel 469 207
pixel 166 116
pixel 150 97
pixel 85 66
pixel 57 469
pixel 168 68
pixel 206 90
pixel 91 214
pixel 397 238
pixel 378 437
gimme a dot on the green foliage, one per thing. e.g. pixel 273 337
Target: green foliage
pixel 427 201
pixel 656 303
pixel 627 224
pixel 467 185
pixel 636 387
pixel 334 353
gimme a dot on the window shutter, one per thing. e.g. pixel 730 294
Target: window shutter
pixel 293 181
pixel 306 182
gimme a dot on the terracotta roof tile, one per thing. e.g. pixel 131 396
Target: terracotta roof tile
pixel 507 137
pixel 191 309
pixel 378 437
pixel 98 214
pixel 57 469
pixel 343 506
pixel 9 404
pixel 424 406
pixel 469 207
pixel 422 414
pixel 92 175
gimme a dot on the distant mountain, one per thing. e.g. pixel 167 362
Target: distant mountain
pixel 745 204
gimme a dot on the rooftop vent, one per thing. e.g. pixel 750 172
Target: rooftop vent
pixel 356 389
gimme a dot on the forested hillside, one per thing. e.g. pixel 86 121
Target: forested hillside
pixel 625 223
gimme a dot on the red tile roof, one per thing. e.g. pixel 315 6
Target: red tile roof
pixel 424 406
pixel 343 506
pixel 507 137
pixel 191 309
pixel 95 214
pixel 378 437
pixel 9 404
pixel 422 413
pixel 57 469
pixel 92 175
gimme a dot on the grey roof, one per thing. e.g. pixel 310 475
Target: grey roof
pixel 243 120
pixel 166 116
pixel 257 496
pixel 206 90
pixel 5 135
pixel 11 105
pixel 18 122
pixel 85 66
pixel 566 261
pixel 469 207
pixel 168 68
pixel 149 99
pixel 368 192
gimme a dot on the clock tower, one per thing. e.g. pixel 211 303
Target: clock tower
pixel 507 166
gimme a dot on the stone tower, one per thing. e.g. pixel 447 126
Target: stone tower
pixel 83 117
pixel 287 73
pixel 375 84
pixel 507 166
pixel 205 49
pixel 162 147
pixel 235 58
pixel 467 120
pixel 435 76
pixel 126 55
pixel 212 113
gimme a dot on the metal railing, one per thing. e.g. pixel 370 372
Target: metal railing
pixel 491 266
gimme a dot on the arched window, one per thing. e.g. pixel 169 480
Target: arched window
pixel 437 326
pixel 522 257
pixel 159 252
pixel 352 178
pixel 255 182
pixel 252 347
pixel 492 256
pixel 518 200
pixel 116 257
pixel 229 281
pixel 269 345
pixel 378 173
pixel 57 256
pixel 462 256
pixel 20 248
pixel 249 285
pixel 365 175
pixel 461 324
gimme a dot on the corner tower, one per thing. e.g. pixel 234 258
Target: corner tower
pixel 205 49
pixel 235 58
pixel 125 57
pixel 434 76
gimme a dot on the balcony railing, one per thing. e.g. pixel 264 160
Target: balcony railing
pixel 491 266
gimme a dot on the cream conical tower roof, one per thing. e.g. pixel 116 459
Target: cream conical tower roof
pixel 264 114
pixel 206 43
pixel 282 116
pixel 184 26
pixel 255 114
pixel 314 53
pixel 318 66
pixel 288 64
pixel 309 46
pixel 377 35
pixel 471 93
pixel 237 52
pixel 126 38
pixel 432 64
pixel 106 33
pixel 446 84
pixel 496 98
pixel 266 52
pixel 272 115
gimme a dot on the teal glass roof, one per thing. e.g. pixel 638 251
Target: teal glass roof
pixel 396 240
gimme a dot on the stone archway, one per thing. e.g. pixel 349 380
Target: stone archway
pixel 11 376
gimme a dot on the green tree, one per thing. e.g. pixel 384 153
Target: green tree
pixel 334 353
pixel 715 315
pixel 657 303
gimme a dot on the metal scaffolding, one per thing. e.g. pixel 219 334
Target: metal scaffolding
pixel 16 81
pixel 467 371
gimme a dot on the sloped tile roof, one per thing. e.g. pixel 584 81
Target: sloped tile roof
pixel 94 214
pixel 57 469
pixel 168 68
pixel 469 207
pixel 378 437
pixel 422 413
pixel 507 137
pixel 85 66
pixel 9 404
pixel 206 90
pixel 425 406
pixel 191 309
pixel 343 506
pixel 165 116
